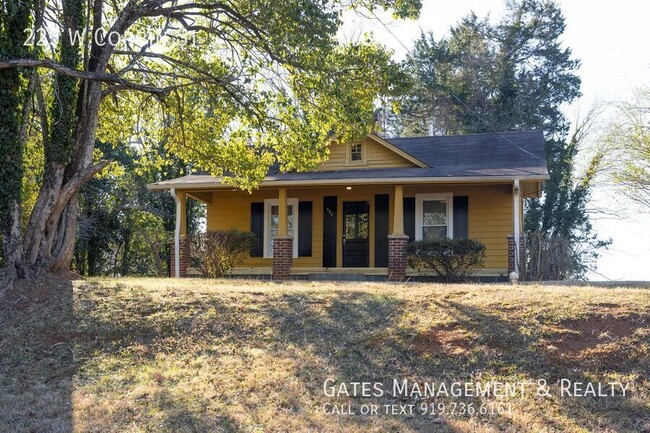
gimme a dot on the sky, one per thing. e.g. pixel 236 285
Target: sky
pixel 611 40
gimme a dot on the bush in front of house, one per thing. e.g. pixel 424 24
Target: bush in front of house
pixel 216 252
pixel 453 260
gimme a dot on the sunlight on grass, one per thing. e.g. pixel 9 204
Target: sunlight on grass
pixel 202 355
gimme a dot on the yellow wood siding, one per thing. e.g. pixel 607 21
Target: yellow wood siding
pixel 376 156
pixel 489 216
pixel 489 220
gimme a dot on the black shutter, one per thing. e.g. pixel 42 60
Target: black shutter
pixel 304 228
pixel 409 217
pixel 461 230
pixel 381 230
pixel 329 232
pixel 257 228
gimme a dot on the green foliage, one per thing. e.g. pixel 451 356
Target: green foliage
pixel 561 215
pixel 237 105
pixel 453 260
pixel 228 88
pixel 486 78
pixel 124 229
pixel 15 17
pixel 216 252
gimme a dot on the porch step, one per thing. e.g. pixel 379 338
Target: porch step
pixel 334 276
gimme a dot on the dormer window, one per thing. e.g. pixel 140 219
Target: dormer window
pixel 355 152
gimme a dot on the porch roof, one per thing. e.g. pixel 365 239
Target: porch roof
pixel 494 157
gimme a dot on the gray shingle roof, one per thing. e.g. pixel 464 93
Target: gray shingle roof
pixel 487 153
pixel 489 156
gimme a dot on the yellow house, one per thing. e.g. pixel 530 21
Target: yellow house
pixel 355 214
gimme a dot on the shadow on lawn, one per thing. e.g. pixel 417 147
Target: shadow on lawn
pixel 356 333
pixel 515 353
pixel 37 359
pixel 350 333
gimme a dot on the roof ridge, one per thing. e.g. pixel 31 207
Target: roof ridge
pixel 463 135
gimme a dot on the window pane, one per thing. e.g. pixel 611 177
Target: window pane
pixel 434 232
pixel 274 218
pixel 350 226
pixel 355 152
pixel 363 226
pixel 290 219
pixel 434 212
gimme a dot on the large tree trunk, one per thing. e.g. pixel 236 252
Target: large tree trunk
pixel 11 236
pixel 51 234
pixel 13 251
pixel 63 248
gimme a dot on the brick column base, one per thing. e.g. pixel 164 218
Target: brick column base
pixel 185 256
pixel 522 255
pixel 397 257
pixel 282 257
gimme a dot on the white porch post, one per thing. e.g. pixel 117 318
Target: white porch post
pixel 180 229
pixel 177 235
pixel 516 194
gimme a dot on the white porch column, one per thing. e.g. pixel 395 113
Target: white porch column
pixel 180 228
pixel 516 197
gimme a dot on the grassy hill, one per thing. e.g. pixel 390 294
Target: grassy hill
pixel 163 355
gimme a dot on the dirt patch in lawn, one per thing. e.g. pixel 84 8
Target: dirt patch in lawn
pixel 26 294
pixel 447 339
pixel 597 337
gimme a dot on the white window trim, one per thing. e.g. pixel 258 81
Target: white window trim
pixel 267 224
pixel 420 198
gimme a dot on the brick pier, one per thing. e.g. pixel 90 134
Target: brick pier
pixel 282 257
pixel 397 257
pixel 522 255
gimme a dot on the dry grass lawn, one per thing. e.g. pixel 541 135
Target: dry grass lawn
pixel 163 355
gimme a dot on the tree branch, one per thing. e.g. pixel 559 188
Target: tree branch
pixel 83 75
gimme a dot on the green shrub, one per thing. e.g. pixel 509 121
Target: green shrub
pixel 453 260
pixel 216 252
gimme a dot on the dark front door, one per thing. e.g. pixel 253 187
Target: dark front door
pixel 356 229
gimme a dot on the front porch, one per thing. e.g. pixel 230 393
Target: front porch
pixel 358 232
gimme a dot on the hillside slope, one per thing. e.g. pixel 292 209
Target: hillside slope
pixel 162 355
